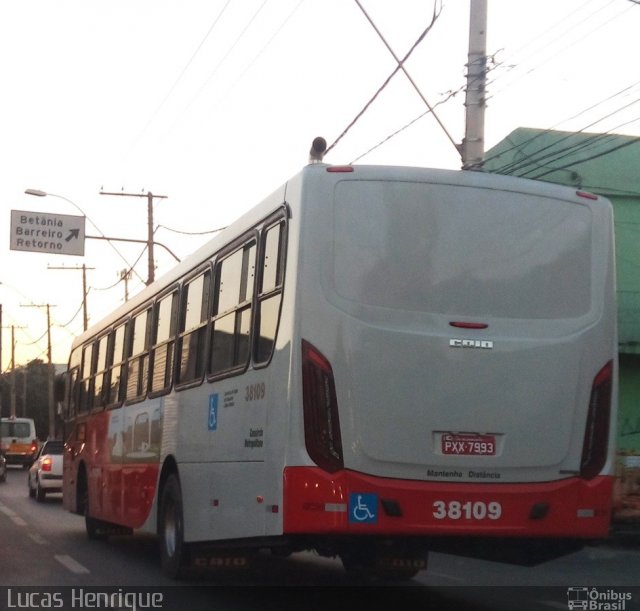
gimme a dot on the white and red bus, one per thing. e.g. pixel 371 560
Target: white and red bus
pixel 370 360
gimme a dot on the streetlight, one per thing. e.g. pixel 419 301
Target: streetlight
pixel 40 193
pixel 149 241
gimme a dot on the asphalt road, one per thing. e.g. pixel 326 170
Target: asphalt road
pixel 45 556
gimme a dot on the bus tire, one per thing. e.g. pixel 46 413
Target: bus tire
pixel 174 551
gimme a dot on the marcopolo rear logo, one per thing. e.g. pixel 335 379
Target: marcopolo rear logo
pixel 482 344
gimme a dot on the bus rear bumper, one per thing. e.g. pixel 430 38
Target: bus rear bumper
pixel 347 502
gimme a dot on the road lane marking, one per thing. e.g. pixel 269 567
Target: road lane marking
pixel 18 521
pixel 73 565
pixel 39 539
pixel 7 512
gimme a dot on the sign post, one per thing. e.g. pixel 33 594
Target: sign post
pixel 60 234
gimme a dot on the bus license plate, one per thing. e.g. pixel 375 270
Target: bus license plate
pixel 468 445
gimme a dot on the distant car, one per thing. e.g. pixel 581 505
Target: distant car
pixel 45 474
pixel 3 468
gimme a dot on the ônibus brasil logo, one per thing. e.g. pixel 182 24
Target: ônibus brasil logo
pixel 594 599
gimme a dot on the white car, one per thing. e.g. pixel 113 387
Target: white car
pixel 45 474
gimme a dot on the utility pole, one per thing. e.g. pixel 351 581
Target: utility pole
pixel 51 410
pixel 475 101
pixel 12 377
pixel 150 196
pixel 12 381
pixel 84 268
pixel 0 355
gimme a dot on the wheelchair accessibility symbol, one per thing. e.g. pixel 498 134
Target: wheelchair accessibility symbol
pixel 363 508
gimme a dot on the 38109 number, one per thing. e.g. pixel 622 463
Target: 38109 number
pixel 255 392
pixel 469 510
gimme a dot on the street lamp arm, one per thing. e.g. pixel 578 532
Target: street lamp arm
pixel 40 193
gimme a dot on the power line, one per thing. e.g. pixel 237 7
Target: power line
pixel 387 80
pixel 539 155
pixel 266 46
pixel 553 56
pixel 559 154
pixel 539 38
pixel 191 232
pixel 579 161
pixel 180 76
pixel 406 126
pixel 224 58
pixel 403 68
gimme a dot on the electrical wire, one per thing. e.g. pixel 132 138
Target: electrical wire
pixel 582 112
pixel 579 161
pixel 540 155
pixel 180 76
pixel 265 47
pixel 224 58
pixel 406 73
pixel 557 155
pixel 404 127
pixel 553 56
pixel 386 82
pixel 191 232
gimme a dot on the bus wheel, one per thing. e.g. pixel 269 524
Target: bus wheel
pixel 173 549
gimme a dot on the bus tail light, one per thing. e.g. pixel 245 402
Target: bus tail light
pixel 320 408
pixel 596 435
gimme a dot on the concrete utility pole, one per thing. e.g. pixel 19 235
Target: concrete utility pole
pixel 84 268
pixel 150 196
pixel 12 381
pixel 52 413
pixel 475 101
pixel 12 377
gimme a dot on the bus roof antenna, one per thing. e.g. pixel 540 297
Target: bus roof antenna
pixel 318 148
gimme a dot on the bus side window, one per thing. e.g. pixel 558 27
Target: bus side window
pixel 163 350
pixel 270 293
pixel 232 320
pixel 138 363
pixel 86 391
pixel 101 372
pixel 194 315
pixel 73 387
pixel 115 392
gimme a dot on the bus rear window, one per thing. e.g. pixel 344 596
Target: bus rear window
pixel 468 251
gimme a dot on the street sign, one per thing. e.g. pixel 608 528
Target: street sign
pixel 60 234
